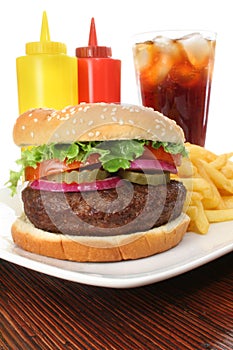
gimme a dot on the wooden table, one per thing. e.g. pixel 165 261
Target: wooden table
pixel 191 311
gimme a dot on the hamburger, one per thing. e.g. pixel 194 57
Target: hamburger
pixel 97 184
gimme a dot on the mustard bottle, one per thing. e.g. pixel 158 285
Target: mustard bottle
pixel 46 76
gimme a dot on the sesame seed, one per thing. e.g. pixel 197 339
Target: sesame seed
pixel 49 118
pixel 163 132
pixel 157 127
pixel 32 134
pixel 105 109
pixel 114 119
pixel 90 134
pixel 97 133
pixel 131 121
pixel 35 120
pixel 74 121
pixel 90 122
pixel 30 114
pixel 73 131
pixel 102 116
pixel 72 110
pixel 81 120
pixel 23 127
pixel 121 122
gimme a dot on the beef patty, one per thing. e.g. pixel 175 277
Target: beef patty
pixel 126 209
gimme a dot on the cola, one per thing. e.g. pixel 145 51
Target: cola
pixel 174 76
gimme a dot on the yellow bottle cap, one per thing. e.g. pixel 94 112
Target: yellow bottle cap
pixel 45 46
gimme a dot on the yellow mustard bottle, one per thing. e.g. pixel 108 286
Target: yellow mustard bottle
pixel 46 76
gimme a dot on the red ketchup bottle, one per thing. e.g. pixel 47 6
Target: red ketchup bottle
pixel 99 75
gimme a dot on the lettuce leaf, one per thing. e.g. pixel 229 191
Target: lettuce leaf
pixel 169 147
pixel 114 155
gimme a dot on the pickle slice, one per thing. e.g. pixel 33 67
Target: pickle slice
pixel 79 176
pixel 144 178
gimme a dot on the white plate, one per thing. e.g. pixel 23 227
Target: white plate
pixel 194 250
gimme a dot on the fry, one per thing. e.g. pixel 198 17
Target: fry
pixel 228 201
pixel 192 212
pixel 215 199
pixel 227 170
pixel 221 160
pixel 201 222
pixel 191 199
pixel 219 215
pixel 209 184
pixel 196 196
pixel 218 178
pixel 197 185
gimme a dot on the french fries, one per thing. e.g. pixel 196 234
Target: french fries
pixel 208 179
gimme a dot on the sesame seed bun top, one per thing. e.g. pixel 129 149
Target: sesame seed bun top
pixel 94 122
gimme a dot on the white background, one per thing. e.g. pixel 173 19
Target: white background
pixel 116 22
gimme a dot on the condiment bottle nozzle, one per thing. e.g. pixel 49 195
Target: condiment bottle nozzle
pixel 44 34
pixel 92 34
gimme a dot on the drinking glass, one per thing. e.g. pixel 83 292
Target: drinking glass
pixel 174 73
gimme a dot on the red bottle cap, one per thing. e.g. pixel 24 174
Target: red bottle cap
pixel 93 50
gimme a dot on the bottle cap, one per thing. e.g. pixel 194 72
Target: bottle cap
pixel 93 50
pixel 45 46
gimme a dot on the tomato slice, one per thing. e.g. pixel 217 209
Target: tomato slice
pixel 55 166
pixel 49 167
pixel 160 154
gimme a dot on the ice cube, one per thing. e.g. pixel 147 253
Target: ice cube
pixel 163 67
pixel 142 55
pixel 167 46
pixel 158 70
pixel 163 42
pixel 197 49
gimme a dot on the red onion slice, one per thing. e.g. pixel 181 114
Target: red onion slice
pixel 98 185
pixel 152 164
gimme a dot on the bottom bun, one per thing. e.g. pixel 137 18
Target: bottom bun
pixel 99 249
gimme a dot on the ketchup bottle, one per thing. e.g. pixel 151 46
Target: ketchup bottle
pixel 46 75
pixel 99 75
